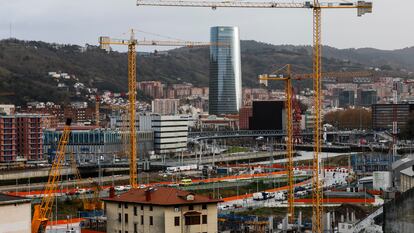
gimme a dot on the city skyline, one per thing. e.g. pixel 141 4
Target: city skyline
pixel 47 21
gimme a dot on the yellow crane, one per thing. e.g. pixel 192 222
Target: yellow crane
pixel 88 203
pixel 278 76
pixel 289 132
pixel 105 43
pixel 43 210
pixel 362 7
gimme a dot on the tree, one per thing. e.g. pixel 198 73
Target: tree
pixel 358 118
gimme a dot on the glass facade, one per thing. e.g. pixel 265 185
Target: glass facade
pixel 225 96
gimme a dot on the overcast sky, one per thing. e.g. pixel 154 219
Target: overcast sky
pixel 390 26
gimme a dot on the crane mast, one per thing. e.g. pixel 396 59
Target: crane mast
pixel 132 43
pixel 43 210
pixel 289 132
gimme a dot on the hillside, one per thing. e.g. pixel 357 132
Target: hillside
pixel 24 66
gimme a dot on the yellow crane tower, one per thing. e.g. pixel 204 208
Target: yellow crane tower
pixel 105 43
pixel 316 6
pixel 43 210
pixel 289 131
pixel 279 76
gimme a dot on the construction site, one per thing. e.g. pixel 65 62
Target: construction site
pixel 288 170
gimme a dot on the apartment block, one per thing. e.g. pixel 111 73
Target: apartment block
pixel 165 106
pixel 30 136
pixel 8 142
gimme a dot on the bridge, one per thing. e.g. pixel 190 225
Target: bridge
pixel 205 135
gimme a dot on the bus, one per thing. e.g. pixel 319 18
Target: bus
pixel 186 182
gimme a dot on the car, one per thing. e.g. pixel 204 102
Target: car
pixel 119 188
pixel 127 187
pixel 80 191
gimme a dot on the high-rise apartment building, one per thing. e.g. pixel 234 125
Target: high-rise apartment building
pixel 165 106
pixel 21 135
pixel 8 142
pixel 225 94
pixel 30 136
pixel 153 89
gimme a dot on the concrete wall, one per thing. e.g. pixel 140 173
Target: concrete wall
pixel 398 214
pixel 16 218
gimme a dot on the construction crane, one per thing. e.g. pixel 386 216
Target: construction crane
pixel 290 105
pixel 362 7
pixel 89 204
pixel 289 133
pixel 43 210
pixel 132 43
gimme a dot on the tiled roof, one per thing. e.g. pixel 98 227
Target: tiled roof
pixel 160 196
pixel 9 199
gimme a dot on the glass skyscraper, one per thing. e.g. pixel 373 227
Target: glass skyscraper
pixel 225 94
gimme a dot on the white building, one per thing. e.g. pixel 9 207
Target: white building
pixel 16 213
pixel 170 132
pixel 8 109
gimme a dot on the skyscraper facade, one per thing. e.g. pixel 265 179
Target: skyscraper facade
pixel 225 96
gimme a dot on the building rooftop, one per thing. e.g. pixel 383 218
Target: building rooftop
pixel 409 171
pixel 161 196
pixel 6 199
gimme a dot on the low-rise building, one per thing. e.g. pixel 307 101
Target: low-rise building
pixel 161 210
pixel 16 213
pixel 170 132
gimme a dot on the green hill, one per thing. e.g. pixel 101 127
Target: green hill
pixel 24 66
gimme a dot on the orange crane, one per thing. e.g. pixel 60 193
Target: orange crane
pixel 105 43
pixel 362 7
pixel 289 95
pixel 88 203
pixel 43 210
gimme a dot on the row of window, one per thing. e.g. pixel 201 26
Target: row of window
pixel 188 220
pixel 151 219
pixel 176 208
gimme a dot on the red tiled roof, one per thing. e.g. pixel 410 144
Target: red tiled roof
pixel 160 196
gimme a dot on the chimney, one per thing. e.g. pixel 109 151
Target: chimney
pixel 148 195
pixel 111 192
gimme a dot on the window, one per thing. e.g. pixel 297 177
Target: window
pixel 192 220
pixel 135 228
pixel 142 207
pixel 176 221
pixel 176 208
pixel 190 207
pixel 126 231
pixel 126 205
pixel 119 231
pixel 119 217
pixel 151 220
pixel 150 207
pixel 135 211
pixel 204 219
pixel 204 206
pixel 142 219
pixel 119 205
pixel 126 218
